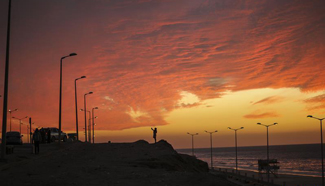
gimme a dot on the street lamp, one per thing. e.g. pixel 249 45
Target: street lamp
pixel 88 123
pixel 27 134
pixel 20 119
pixel 321 140
pixel 10 111
pixel 76 102
pixel 5 89
pixel 267 148
pixel 60 101
pixel 193 141
pixel 236 143
pixel 211 145
pixel 94 123
pixel 86 114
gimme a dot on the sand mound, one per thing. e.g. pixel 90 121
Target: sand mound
pixel 162 155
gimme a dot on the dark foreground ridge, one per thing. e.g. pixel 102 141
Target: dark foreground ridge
pixel 138 163
pixel 163 156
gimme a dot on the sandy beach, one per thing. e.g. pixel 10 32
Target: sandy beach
pixel 76 163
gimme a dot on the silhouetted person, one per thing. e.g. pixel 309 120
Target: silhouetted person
pixel 49 136
pixel 37 138
pixel 154 134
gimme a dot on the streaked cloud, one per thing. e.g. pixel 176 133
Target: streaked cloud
pixel 269 100
pixel 260 115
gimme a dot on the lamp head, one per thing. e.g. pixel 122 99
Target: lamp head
pixel 197 133
pixel 72 54
pixel 229 127
pixel 241 127
pixel 216 131
pixel 205 131
pixel 309 116
pixel 96 108
pixel 275 123
pixel 90 93
pixel 82 77
pixel 259 123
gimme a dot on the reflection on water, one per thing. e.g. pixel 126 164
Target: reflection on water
pixel 294 159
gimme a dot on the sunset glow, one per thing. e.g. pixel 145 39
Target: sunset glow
pixel 181 66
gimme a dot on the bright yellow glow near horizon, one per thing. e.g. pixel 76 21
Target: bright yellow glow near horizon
pixel 286 105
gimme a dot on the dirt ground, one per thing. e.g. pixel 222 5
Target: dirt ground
pixel 76 163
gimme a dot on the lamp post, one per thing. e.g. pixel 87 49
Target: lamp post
pixel 89 119
pixel 60 100
pixel 236 143
pixel 20 119
pixel 30 132
pixel 76 102
pixel 27 134
pixel 193 141
pixel 94 123
pixel 86 114
pixel 5 90
pixel 321 140
pixel 10 111
pixel 211 145
pixel 267 148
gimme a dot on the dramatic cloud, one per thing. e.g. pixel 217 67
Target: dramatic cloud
pixel 141 56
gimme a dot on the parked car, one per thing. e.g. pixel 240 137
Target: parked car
pixel 55 134
pixel 14 138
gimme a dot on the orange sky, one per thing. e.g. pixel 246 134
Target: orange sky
pixel 182 66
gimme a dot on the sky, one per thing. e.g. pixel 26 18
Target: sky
pixel 178 65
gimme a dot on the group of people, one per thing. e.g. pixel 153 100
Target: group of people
pixel 41 136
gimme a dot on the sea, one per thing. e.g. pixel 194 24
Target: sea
pixel 293 159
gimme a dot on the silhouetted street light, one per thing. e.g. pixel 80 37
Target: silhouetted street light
pixel 60 101
pixel 236 144
pixel 20 119
pixel 193 141
pixel 94 123
pixel 211 145
pixel 93 126
pixel 76 102
pixel 27 134
pixel 5 89
pixel 321 140
pixel 267 148
pixel 89 119
pixel 10 111
pixel 85 110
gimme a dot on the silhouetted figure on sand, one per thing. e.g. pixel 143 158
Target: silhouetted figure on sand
pixel 154 134
pixel 37 138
